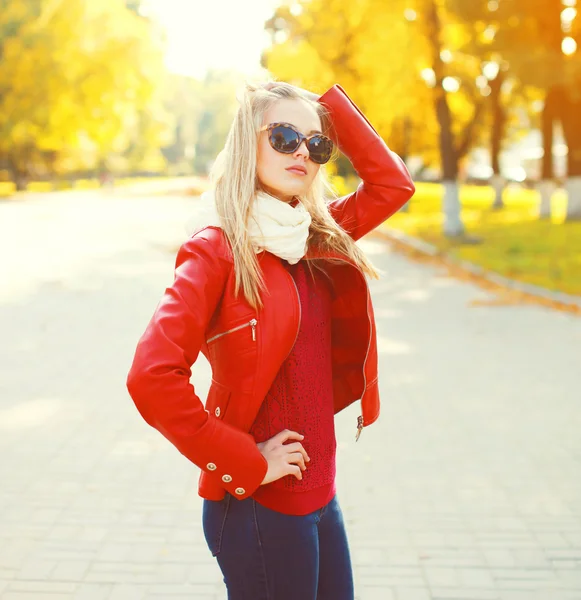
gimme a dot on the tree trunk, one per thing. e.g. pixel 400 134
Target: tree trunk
pixel 20 182
pixel 571 119
pixel 553 37
pixel 498 121
pixel 453 226
pixel 18 175
pixel 547 184
pixel 573 188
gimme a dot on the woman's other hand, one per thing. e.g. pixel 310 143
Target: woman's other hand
pixel 283 459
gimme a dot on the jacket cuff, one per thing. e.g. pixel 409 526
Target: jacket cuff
pixel 350 127
pixel 228 456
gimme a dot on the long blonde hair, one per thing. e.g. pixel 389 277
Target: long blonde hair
pixel 235 180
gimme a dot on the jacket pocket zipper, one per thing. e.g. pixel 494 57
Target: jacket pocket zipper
pixel 252 323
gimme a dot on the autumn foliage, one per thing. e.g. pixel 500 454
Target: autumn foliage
pixel 78 84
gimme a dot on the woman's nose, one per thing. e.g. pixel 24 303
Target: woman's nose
pixel 302 150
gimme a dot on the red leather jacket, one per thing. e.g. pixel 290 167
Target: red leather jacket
pixel 245 348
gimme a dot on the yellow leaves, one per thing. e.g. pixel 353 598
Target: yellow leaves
pixel 456 34
pixel 284 60
pixel 462 107
pixel 377 54
pixel 73 71
pixel 14 12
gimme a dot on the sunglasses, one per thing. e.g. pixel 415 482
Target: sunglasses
pixel 285 138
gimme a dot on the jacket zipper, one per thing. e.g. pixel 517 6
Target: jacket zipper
pixel 360 417
pixel 252 323
pixel 359 427
pixel 300 313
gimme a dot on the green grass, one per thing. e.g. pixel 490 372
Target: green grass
pixel 515 242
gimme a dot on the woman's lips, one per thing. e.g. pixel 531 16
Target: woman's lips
pixel 296 171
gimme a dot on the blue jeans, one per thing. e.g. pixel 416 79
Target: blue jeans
pixel 267 555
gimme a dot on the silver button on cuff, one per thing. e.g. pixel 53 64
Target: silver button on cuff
pixel 240 491
pixel 217 411
pixel 226 478
pixel 211 467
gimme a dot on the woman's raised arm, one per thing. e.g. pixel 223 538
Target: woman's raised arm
pixel 386 183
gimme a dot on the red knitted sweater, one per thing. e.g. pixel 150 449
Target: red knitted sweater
pixel 301 399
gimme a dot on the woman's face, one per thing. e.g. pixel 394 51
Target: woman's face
pixel 274 169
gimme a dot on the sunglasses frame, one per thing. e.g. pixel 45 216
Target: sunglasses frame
pixel 301 137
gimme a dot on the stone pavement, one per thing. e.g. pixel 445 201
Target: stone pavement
pixel 467 488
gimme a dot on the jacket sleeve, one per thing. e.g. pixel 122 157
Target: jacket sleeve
pixel 159 378
pixel 386 183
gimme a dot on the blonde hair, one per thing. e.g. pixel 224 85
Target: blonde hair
pixel 234 176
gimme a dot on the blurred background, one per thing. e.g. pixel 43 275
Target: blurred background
pixel 482 99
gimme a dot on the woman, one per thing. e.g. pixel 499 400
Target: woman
pixel 272 289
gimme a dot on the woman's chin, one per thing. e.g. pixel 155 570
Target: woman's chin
pixel 287 192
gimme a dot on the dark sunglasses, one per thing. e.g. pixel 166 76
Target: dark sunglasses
pixel 285 138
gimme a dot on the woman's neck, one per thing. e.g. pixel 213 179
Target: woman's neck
pixel 282 197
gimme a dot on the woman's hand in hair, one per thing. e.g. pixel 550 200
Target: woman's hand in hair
pixel 283 459
pixel 269 85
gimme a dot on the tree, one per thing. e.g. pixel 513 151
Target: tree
pixel 495 74
pixel 183 98
pixel 527 37
pixel 73 78
pixel 449 150
pixel 217 109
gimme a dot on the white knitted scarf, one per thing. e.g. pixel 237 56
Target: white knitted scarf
pixel 274 225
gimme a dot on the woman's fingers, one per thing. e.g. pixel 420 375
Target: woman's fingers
pixel 287 434
pixel 284 459
pixel 297 447
pixel 297 458
pixel 294 470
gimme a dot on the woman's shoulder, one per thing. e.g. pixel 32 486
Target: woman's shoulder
pixel 203 227
pixel 210 239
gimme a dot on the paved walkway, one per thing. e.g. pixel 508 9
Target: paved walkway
pixel 468 487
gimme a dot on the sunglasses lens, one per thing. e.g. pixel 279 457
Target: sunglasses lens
pixel 284 139
pixel 320 149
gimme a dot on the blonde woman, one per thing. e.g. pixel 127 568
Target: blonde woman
pixel 272 289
